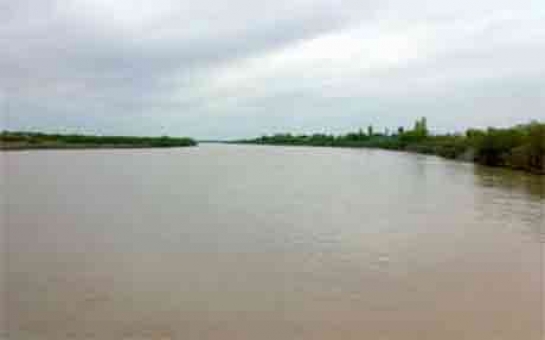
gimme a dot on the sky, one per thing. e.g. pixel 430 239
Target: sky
pixel 213 69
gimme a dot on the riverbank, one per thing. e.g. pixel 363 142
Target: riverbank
pixel 521 147
pixel 24 141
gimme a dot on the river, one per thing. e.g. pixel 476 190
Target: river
pixel 263 242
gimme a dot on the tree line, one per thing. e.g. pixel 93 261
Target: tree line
pixel 35 139
pixel 518 147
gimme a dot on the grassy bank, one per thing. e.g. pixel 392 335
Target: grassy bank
pixel 32 140
pixel 520 147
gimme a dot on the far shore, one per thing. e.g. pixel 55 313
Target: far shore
pixel 32 140
pixel 519 147
pixel 65 146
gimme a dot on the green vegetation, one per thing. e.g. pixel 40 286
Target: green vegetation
pixel 520 147
pixel 26 140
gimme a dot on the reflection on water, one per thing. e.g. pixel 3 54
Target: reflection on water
pixel 504 179
pixel 527 189
pixel 258 242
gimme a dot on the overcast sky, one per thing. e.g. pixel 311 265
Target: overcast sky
pixel 238 68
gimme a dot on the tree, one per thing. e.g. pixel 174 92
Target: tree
pixel 421 127
pixel 360 132
pixel 536 146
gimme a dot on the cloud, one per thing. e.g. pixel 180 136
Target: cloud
pixel 241 68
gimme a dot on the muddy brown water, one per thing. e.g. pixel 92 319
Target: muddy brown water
pixel 261 242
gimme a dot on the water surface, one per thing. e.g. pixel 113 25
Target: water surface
pixel 261 242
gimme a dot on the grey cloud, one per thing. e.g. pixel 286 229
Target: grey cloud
pixel 135 68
